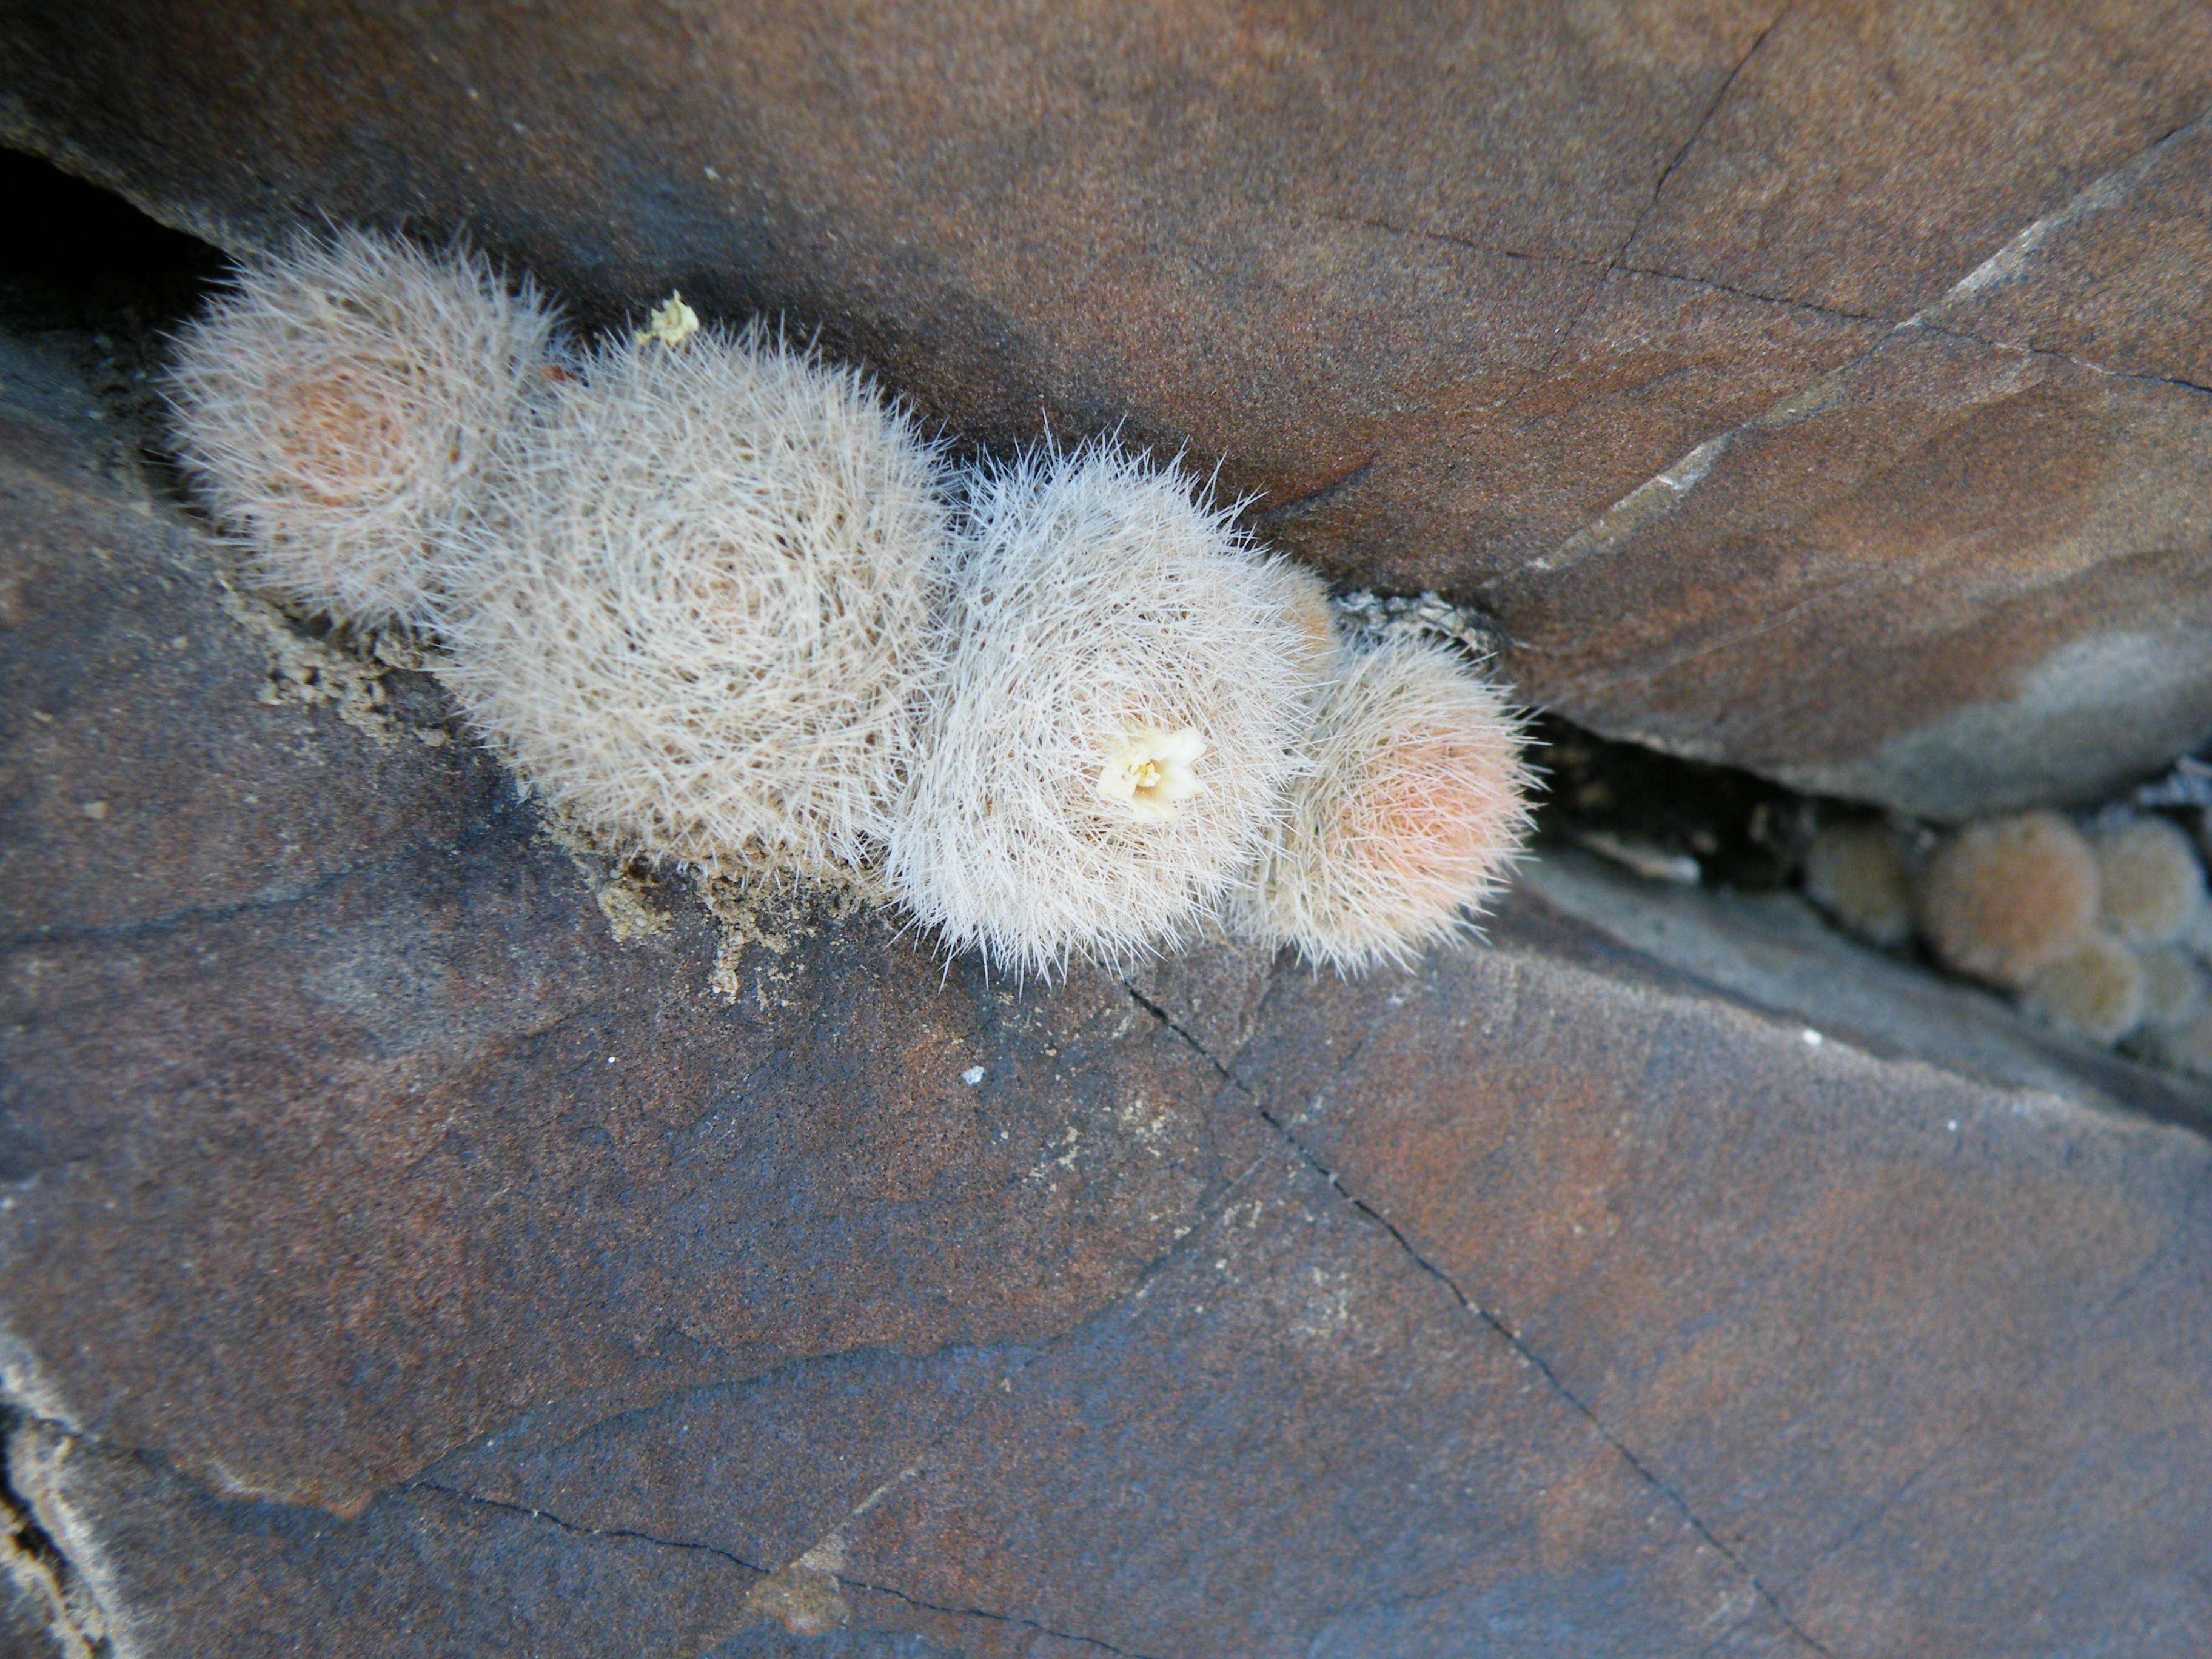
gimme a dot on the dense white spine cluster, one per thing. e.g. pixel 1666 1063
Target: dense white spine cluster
pixel 719 602
pixel 1409 815
pixel 1098 615
pixel 693 612
pixel 340 408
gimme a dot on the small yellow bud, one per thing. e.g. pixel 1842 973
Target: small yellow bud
pixel 1151 772
pixel 672 324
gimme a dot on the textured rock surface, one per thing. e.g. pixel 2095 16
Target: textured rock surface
pixel 1817 387
pixel 395 1261
pixel 1773 951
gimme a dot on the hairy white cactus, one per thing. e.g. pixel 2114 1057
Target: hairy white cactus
pixel 1408 816
pixel 693 610
pixel 1125 690
pixel 340 408
pixel 724 606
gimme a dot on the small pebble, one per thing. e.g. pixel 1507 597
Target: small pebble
pixel 1642 858
pixel 972 1075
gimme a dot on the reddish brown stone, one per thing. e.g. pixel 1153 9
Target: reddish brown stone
pixel 1552 1300
pixel 418 1573
pixel 1870 155
pixel 1719 1237
pixel 1939 525
pixel 2121 276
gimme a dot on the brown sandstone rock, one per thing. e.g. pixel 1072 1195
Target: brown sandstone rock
pixel 1819 388
pixel 1550 1298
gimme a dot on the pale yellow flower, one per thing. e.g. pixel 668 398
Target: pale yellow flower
pixel 672 324
pixel 1151 772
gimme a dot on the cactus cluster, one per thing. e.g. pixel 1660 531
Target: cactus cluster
pixel 728 607
pixel 2100 930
